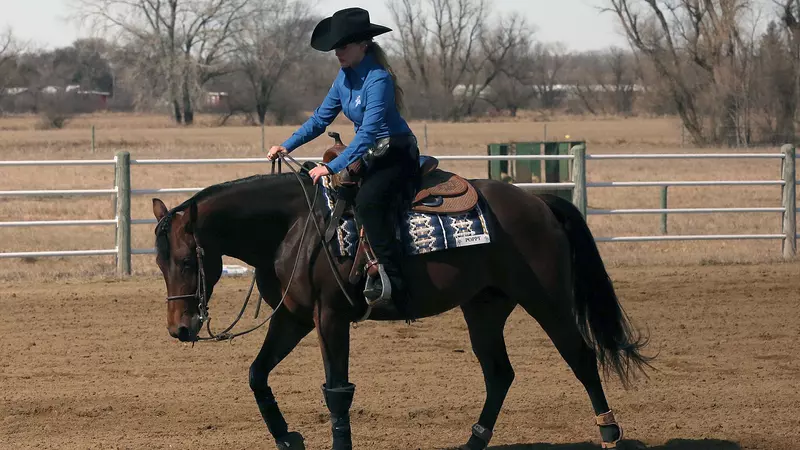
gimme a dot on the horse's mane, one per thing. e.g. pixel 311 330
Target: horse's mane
pixel 165 224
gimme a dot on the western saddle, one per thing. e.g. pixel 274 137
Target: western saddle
pixel 440 192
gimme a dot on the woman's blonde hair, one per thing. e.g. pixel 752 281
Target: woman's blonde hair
pixel 383 61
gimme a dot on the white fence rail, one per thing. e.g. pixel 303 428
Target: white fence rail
pixel 122 193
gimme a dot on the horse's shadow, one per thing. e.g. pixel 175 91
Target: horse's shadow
pixel 673 444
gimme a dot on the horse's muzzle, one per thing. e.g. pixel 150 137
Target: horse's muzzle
pixel 186 332
pixel 185 335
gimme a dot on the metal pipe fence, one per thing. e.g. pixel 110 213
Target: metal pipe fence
pixel 578 186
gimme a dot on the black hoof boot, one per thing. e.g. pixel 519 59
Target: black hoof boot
pixel 339 401
pixel 291 441
pixel 479 440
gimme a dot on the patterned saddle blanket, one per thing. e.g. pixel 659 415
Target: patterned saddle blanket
pixel 419 232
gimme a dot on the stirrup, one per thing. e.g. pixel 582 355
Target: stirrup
pixel 606 419
pixel 378 294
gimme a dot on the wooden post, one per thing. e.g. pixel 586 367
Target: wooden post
pixel 93 141
pixel 123 213
pixel 579 178
pixel 263 144
pixel 426 138
pixel 789 202
pixel 664 206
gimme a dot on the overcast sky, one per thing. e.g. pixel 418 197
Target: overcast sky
pixel 576 23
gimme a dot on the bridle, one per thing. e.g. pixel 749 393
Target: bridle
pixel 200 293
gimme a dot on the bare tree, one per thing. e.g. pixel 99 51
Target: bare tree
pixel 452 51
pixel 587 72
pixel 622 83
pixel 190 38
pixel 550 61
pixel 775 94
pixel 701 54
pixel 437 39
pixel 791 20
pixel 514 87
pixel 605 81
pixel 8 60
pixel 500 44
pixel 273 40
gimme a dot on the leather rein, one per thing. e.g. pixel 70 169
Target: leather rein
pixel 200 293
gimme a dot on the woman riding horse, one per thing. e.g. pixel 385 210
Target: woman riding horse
pixel 366 90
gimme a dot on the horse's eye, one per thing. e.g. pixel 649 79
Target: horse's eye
pixel 187 265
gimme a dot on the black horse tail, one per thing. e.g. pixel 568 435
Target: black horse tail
pixel 602 321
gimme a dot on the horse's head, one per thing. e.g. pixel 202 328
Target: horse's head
pixel 189 273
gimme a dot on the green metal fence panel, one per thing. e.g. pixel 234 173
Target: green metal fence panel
pixel 531 170
pixel 497 168
pixel 552 169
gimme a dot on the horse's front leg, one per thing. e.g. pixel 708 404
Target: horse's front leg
pixel 334 340
pixel 285 332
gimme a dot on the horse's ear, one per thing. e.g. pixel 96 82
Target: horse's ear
pixel 189 228
pixel 159 209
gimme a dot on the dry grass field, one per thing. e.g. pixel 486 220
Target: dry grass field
pixel 149 136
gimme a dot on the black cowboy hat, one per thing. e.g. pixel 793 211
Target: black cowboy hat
pixel 345 27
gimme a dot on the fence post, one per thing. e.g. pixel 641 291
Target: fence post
pixel 123 186
pixel 579 178
pixel 93 141
pixel 426 138
pixel 789 202
pixel 263 143
pixel 664 206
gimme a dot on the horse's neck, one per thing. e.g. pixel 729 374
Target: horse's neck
pixel 250 222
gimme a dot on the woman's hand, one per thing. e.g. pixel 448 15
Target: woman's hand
pixel 273 152
pixel 320 171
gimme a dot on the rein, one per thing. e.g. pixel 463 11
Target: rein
pixel 321 234
pixel 201 295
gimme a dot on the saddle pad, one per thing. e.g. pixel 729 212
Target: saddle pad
pixel 420 233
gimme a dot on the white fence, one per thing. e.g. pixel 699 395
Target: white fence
pixel 122 193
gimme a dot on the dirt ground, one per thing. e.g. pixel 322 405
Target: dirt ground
pixel 90 365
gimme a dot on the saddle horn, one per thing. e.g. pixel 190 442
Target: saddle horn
pixel 337 139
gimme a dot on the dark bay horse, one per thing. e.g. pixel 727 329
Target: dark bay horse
pixel 542 257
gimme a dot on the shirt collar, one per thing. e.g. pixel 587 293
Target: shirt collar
pixel 363 67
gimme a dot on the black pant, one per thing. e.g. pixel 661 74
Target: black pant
pixel 383 191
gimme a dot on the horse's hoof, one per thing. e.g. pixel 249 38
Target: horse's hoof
pixel 473 445
pixel 292 441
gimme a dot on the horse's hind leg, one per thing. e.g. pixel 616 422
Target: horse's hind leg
pixel 486 316
pixel 558 322
pixel 285 332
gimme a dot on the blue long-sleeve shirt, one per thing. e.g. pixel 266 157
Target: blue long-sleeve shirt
pixel 366 95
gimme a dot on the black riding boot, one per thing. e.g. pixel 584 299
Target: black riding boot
pixel 378 202
pixel 339 401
